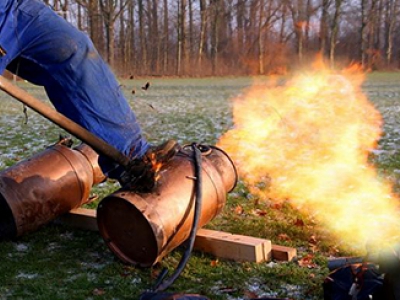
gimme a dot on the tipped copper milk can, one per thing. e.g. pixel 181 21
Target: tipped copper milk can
pixel 37 190
pixel 140 228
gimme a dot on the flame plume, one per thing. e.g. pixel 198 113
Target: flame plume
pixel 308 142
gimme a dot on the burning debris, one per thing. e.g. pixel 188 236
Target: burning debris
pixel 146 86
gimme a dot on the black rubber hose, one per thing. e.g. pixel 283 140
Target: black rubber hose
pixel 162 284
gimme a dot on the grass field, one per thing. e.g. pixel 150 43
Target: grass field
pixel 59 262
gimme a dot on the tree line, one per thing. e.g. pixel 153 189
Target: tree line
pixel 236 37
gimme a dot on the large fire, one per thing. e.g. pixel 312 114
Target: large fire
pixel 308 142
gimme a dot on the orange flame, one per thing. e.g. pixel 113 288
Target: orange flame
pixel 308 142
pixel 155 166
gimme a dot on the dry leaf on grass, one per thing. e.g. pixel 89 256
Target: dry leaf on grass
pixel 259 212
pixel 238 210
pixel 98 292
pixel 307 262
pixel 227 290
pixel 299 222
pixel 250 295
pixel 276 206
pixel 214 263
pixel 283 237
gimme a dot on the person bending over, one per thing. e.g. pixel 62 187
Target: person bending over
pixel 40 46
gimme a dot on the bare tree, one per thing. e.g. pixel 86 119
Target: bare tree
pixel 111 10
pixel 165 37
pixel 363 32
pixel 94 22
pixel 235 36
pixel 142 38
pixel 240 21
pixel 191 30
pixel 215 24
pixel 298 12
pixel 323 31
pixel 334 31
pixel 130 49
pixel 203 29
pixel 182 49
pixel 282 30
pixel 392 13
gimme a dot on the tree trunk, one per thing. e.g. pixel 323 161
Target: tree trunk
pixel 334 32
pixel 65 9
pixel 110 44
pixel 240 20
pixel 372 26
pixel 282 30
pixel 298 17
pixel 122 41
pixel 95 25
pixel 130 48
pixel 363 33
pixel 308 13
pixel 393 9
pixel 191 31
pixel 107 12
pixel 323 34
pixel 203 27
pixel 79 17
pixel 143 44
pixel 155 37
pixel 260 38
pixel 182 54
pixel 166 38
pixel 214 35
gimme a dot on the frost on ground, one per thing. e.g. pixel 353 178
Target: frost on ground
pixel 26 276
pixel 256 288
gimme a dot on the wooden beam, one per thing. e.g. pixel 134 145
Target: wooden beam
pixel 218 243
pixel 232 246
pixel 283 253
pixel 82 218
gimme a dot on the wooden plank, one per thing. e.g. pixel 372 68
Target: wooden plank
pixel 218 243
pixel 83 218
pixel 232 246
pixel 283 253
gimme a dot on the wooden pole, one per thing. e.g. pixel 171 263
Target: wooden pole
pixel 100 146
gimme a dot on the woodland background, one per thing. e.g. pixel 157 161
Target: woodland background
pixel 237 37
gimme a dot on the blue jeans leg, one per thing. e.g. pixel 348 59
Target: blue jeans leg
pixel 52 53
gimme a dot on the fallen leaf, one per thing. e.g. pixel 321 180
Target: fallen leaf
pixel 251 295
pixel 276 206
pixel 258 212
pixel 313 240
pixel 307 262
pixel 299 222
pixel 214 263
pixel 227 290
pixel 283 237
pixel 155 273
pixel 313 248
pixel 238 210
pixel 261 212
pixel 98 292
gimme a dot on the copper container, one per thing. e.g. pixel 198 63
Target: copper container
pixel 140 228
pixel 37 190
